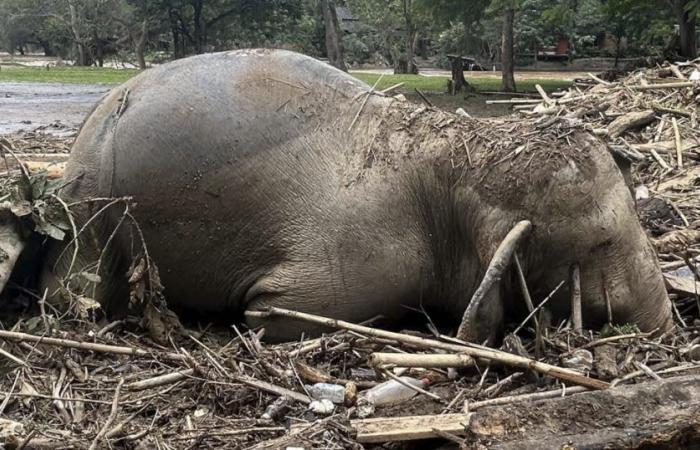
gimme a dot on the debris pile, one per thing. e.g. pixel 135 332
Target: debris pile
pixel 76 381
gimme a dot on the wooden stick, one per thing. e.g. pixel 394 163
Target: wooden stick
pixel 160 380
pixel 494 272
pixel 660 160
pixel 542 303
pixel 97 348
pixel 273 389
pixel 679 142
pixel 575 284
pixel 424 98
pixel 419 360
pixel 392 88
pixel 367 94
pixel 677 72
pixel 544 95
pixel 473 351
pixel 515 101
pixel 599 80
pixel 110 419
pixel 523 286
pixel 682 84
pixel 13 358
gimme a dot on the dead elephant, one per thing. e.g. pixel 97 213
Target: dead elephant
pixel 268 178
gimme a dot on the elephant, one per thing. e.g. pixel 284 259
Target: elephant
pixel 266 178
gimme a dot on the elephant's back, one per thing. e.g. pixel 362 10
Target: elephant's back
pixel 227 155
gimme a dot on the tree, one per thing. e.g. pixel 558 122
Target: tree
pixel 685 11
pixel 507 9
pixel 334 44
pixel 400 23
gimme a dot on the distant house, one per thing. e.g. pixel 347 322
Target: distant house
pixel 560 51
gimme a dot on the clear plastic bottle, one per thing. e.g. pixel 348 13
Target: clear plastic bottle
pixel 327 391
pixel 392 392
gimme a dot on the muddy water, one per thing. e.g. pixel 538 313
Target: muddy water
pixel 57 108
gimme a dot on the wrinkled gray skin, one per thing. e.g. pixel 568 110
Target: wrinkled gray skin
pixel 251 191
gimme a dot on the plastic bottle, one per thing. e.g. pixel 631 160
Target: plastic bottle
pixel 392 392
pixel 326 391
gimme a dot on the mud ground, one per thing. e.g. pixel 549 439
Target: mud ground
pixel 55 108
pixel 59 109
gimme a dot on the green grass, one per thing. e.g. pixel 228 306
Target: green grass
pixel 98 75
pixel 89 75
pixel 439 84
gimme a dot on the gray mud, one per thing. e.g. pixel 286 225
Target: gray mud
pixel 54 108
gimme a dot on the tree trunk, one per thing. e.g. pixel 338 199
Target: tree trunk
pixel 82 59
pixel 686 24
pixel 507 58
pixel 178 50
pixel 199 27
pixel 140 45
pixel 46 46
pixel 334 44
pixel 411 66
pixel 458 81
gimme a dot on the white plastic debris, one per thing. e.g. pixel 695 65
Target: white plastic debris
pixel 323 407
pixel 641 192
pixel 694 75
pixel 391 392
pixel 580 360
pixel 327 391
pixel 462 112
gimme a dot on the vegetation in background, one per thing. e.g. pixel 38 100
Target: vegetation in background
pixel 397 33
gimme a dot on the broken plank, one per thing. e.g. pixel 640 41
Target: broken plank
pixel 389 429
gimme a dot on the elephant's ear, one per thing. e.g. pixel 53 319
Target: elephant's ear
pixel 625 166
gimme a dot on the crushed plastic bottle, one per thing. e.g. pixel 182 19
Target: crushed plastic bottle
pixel 392 392
pixel 326 391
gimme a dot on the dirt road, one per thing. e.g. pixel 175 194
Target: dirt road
pixel 59 108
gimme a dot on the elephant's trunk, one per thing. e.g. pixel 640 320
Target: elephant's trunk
pixel 627 285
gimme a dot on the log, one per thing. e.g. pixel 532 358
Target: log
pixel 630 121
pixel 659 412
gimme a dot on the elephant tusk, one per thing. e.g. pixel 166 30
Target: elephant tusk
pixel 494 272
pixel 575 287
pixel 11 246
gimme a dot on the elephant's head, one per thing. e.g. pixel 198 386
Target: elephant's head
pixel 581 213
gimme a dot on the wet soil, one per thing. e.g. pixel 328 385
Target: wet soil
pixel 56 108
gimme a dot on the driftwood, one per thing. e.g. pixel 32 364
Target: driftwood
pixel 664 413
pixel 630 121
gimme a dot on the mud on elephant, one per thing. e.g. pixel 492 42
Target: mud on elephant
pixel 266 178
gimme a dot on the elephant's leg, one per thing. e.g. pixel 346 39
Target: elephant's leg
pixel 353 297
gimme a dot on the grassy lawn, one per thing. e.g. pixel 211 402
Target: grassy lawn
pixel 439 84
pixel 97 75
pixel 89 75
